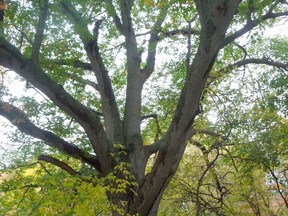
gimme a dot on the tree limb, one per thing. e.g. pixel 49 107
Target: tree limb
pixel 20 120
pixel 184 31
pixel 11 58
pixel 69 62
pixel 135 81
pixel 84 81
pixel 75 64
pixel 112 12
pixel 188 55
pixel 157 124
pixel 209 165
pixel 56 162
pixel 278 184
pixel 210 133
pixel 81 80
pixel 265 61
pixel 153 42
pixel 166 34
pixel 109 106
pixel 250 24
pixel 39 30
pixel 244 62
pixel 154 147
pixel 126 8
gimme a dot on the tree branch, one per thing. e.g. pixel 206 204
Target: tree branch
pixel 212 35
pixel 60 164
pixel 250 24
pixel 211 133
pixel 154 147
pixel 43 167
pixel 153 42
pixel 188 55
pixel 69 62
pixel 20 120
pixel 209 165
pixel 84 81
pixel 11 58
pixel 265 61
pixel 75 64
pixel 81 80
pixel 184 31
pixel 109 106
pixel 158 132
pixel 135 81
pixel 165 34
pixel 278 184
pixel 39 30
pixel 126 8
pixel 149 116
pixel 112 12
pixel 244 62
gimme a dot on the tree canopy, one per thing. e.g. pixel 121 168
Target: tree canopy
pixel 105 96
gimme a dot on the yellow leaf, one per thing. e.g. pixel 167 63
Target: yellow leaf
pixel 148 3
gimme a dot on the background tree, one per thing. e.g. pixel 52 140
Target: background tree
pixel 90 72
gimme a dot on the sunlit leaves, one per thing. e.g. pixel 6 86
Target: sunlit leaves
pixel 35 192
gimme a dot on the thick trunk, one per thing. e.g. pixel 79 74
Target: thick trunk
pixel 152 189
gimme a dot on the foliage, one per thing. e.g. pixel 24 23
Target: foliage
pixel 107 94
pixel 36 191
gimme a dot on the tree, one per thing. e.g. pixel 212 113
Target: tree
pixel 236 164
pixel 60 47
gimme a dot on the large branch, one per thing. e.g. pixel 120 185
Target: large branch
pixel 75 64
pixel 109 106
pixel 81 80
pixel 56 162
pixel 126 8
pixel 184 31
pixel 132 112
pixel 153 42
pixel 265 61
pixel 251 24
pixel 69 62
pixel 72 76
pixel 244 62
pixel 112 12
pixel 21 121
pixel 11 58
pixel 39 30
